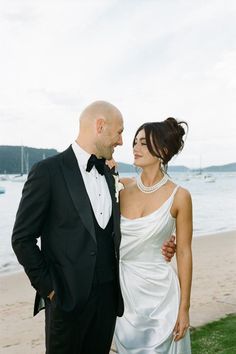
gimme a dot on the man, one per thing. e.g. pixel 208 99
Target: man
pixel 69 201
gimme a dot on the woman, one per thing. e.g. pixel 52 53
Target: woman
pixel 156 317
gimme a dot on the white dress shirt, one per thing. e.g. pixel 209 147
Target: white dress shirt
pixel 96 187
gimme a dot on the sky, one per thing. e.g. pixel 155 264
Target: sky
pixel 151 58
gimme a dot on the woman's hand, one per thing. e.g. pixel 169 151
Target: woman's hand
pixel 169 248
pixel 182 324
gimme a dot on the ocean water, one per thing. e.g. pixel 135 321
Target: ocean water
pixel 214 205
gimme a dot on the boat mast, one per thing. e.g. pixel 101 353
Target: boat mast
pixel 22 160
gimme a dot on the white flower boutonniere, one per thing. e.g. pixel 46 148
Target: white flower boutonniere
pixel 118 187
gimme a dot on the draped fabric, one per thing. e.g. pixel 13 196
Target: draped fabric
pixel 150 287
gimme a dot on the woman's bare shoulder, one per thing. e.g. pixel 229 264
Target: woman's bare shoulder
pixel 127 181
pixel 183 195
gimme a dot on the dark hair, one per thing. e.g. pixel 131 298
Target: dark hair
pixel 164 139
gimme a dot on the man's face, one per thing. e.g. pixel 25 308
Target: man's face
pixel 110 137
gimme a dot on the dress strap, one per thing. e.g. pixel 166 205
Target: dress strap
pixel 171 197
pixel 175 190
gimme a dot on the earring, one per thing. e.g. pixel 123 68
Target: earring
pixel 162 166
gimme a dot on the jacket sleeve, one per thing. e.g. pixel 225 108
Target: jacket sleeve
pixel 28 227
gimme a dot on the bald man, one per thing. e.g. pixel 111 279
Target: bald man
pixel 69 201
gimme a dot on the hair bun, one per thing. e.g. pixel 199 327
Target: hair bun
pixel 177 131
pixel 177 126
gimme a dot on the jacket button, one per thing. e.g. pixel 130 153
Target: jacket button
pixel 92 253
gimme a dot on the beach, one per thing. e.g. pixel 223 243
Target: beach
pixel 213 295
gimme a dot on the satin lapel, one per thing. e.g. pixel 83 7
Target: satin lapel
pixel 77 190
pixel 111 185
pixel 115 206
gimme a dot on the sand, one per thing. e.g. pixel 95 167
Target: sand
pixel 213 295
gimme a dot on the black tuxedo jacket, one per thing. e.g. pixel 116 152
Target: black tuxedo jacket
pixel 55 207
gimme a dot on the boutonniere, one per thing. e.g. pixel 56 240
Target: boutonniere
pixel 118 187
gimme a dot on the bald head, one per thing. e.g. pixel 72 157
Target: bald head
pixel 99 109
pixel 101 127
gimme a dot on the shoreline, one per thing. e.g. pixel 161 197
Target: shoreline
pixel 18 269
pixel 213 295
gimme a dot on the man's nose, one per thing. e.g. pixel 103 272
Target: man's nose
pixel 120 141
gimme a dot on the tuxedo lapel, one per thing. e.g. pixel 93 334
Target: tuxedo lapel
pixel 77 190
pixel 110 183
pixel 115 205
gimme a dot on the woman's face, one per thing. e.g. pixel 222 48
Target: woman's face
pixel 142 156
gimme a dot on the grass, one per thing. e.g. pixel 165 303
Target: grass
pixel 218 337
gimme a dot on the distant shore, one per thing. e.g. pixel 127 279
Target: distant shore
pixel 213 295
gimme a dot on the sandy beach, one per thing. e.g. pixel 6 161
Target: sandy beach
pixel 213 295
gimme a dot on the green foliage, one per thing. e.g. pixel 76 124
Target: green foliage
pixel 11 158
pixel 218 337
pixel 11 161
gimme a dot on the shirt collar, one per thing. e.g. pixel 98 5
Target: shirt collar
pixel 82 156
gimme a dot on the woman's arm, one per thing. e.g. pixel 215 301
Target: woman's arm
pixel 184 258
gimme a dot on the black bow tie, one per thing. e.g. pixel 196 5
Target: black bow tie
pixel 98 163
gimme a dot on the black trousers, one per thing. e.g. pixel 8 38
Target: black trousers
pixel 89 332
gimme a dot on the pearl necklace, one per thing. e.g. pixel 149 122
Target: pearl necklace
pixel 154 187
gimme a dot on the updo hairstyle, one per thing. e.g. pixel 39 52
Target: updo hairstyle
pixel 164 139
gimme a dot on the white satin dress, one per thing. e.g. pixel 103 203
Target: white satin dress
pixel 150 287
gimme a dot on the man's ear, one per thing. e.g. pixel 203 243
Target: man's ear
pixel 100 123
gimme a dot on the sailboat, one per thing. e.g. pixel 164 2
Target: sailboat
pixel 209 178
pixel 4 177
pixel 2 190
pixel 24 162
pixel 199 173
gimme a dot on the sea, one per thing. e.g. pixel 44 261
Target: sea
pixel 214 208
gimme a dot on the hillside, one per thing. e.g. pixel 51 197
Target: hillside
pixel 231 167
pixel 17 159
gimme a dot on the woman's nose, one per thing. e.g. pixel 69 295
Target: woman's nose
pixel 136 148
